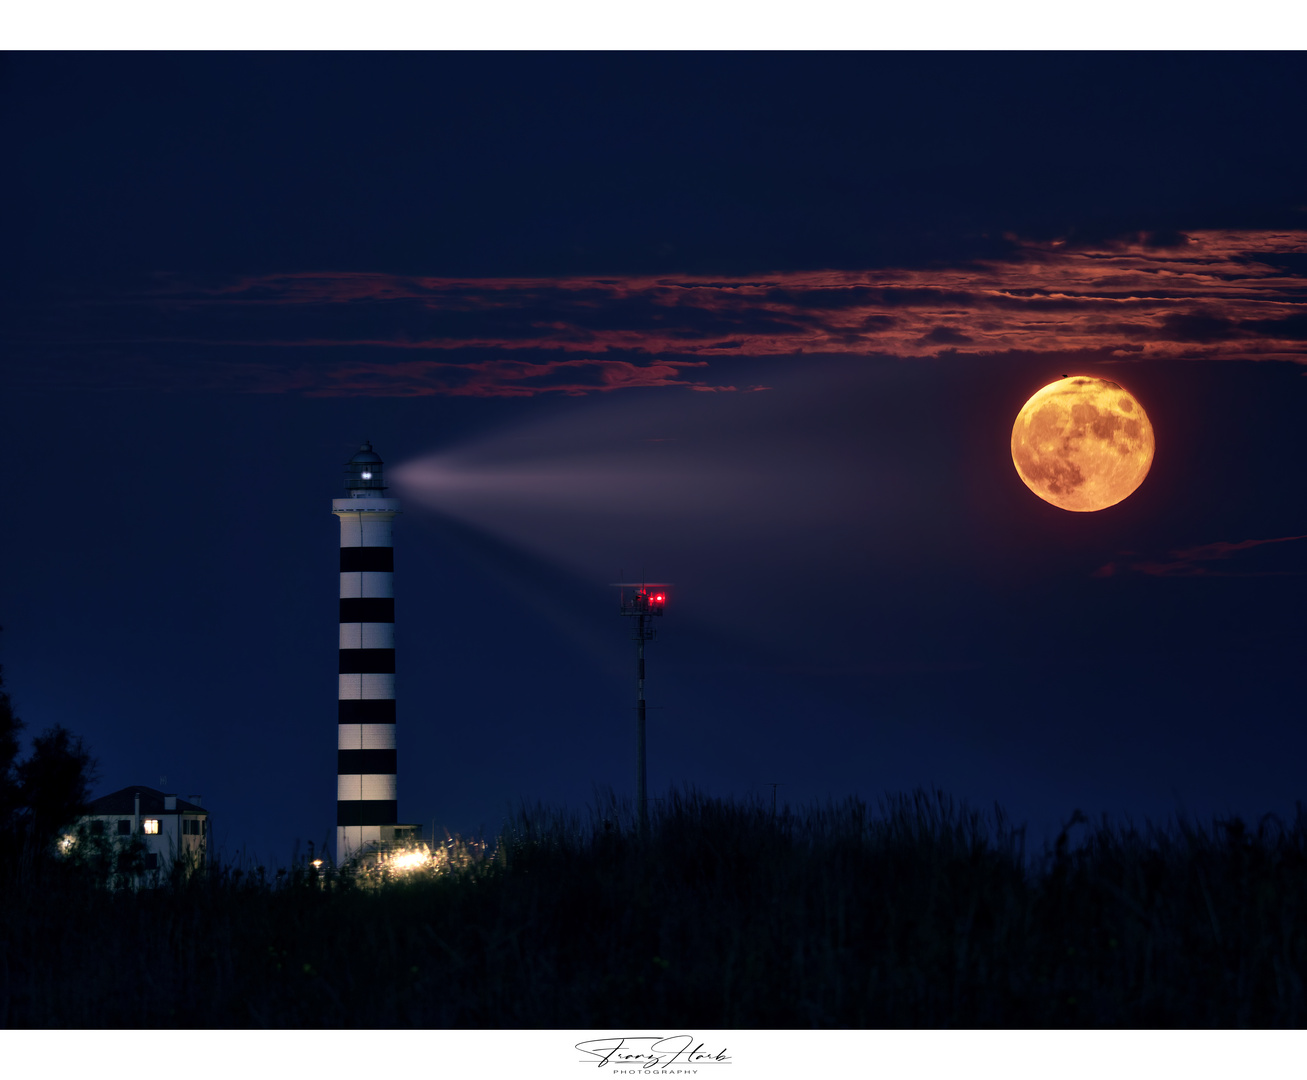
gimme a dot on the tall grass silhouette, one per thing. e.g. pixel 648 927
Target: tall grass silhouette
pixel 921 912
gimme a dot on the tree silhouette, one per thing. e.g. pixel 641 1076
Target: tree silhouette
pixel 44 793
pixel 10 728
pixel 54 784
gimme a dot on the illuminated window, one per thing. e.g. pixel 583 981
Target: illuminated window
pixel 150 826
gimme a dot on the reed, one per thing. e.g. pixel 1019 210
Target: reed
pixel 918 912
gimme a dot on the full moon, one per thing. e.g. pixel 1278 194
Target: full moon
pixel 1082 443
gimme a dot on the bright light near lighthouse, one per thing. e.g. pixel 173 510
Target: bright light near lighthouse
pixel 407 860
pixel 367 476
pixel 410 860
pixel 414 861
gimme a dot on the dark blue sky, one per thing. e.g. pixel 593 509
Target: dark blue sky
pixel 224 271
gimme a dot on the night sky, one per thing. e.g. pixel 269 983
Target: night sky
pixel 756 324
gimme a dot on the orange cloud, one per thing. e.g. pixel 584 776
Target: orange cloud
pixel 1208 295
pixel 1212 294
pixel 491 378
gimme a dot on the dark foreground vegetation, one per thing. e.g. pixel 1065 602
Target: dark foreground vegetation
pixel 917 913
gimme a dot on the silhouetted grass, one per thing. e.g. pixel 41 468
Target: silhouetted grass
pixel 922 913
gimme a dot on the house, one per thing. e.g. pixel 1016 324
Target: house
pixel 168 827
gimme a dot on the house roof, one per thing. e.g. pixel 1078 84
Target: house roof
pixel 123 803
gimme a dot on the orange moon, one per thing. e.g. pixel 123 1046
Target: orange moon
pixel 1082 443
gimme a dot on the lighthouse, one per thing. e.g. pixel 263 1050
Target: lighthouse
pixel 366 793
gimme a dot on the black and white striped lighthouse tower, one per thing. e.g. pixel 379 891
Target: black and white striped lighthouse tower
pixel 366 799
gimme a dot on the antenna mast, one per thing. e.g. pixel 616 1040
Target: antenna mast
pixel 643 604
